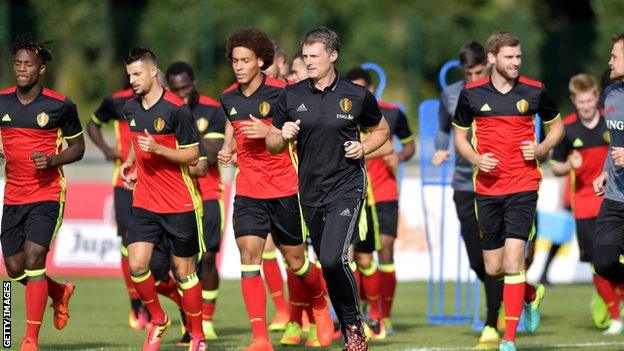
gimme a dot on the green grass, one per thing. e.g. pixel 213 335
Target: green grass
pixel 99 322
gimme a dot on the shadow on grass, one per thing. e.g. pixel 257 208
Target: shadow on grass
pixel 82 346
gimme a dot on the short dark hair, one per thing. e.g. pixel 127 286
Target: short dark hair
pixel 500 39
pixel 298 55
pixel 253 39
pixel 141 54
pixel 180 67
pixel 617 37
pixel 356 73
pixel 472 54
pixel 323 35
pixel 25 41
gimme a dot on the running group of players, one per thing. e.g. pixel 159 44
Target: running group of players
pixel 315 165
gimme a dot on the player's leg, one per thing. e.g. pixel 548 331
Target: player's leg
pixel 341 223
pixel 288 232
pixel 122 200
pixel 388 215
pixel 275 282
pixel 209 274
pixel 145 231
pixel 251 227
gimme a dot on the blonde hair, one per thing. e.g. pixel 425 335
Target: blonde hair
pixel 582 83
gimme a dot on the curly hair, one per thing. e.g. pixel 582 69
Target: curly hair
pixel 253 39
pixel 25 41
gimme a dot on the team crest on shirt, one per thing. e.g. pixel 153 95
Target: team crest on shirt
pixel 522 106
pixel 607 137
pixel 264 108
pixel 42 119
pixel 159 124
pixel 345 105
pixel 202 124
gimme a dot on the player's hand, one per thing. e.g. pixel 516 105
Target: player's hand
pixel 2 151
pixel 112 154
pixel 290 130
pixel 575 159
pixel 254 128
pixel 147 143
pixel 225 157
pixel 392 160
pixel 124 168
pixel 40 160
pixel 600 183
pixel 530 150
pixel 354 150
pixel 617 153
pixel 439 157
pixel 487 162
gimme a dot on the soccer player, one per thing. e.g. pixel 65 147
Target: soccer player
pixel 35 120
pixel 383 210
pixel 608 258
pixel 473 63
pixel 210 121
pixel 266 185
pixel 165 205
pixel 500 110
pixel 581 155
pixel 324 114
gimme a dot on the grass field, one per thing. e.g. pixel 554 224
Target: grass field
pixel 99 322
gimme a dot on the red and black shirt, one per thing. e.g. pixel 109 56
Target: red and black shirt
pixel 210 121
pixel 111 109
pixel 163 186
pixel 261 175
pixel 383 177
pixel 39 126
pixel 593 145
pixel 500 123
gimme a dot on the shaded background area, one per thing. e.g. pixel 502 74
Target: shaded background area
pixel 410 39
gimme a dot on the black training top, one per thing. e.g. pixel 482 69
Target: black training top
pixel 329 118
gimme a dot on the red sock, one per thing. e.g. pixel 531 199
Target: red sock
pixel 169 288
pixel 208 309
pixel 606 289
pixel 529 293
pixel 36 298
pixel 125 271
pixel 314 282
pixel 513 298
pixel 192 303
pixel 370 283
pixel 255 301
pixel 146 288
pixel 387 289
pixel 297 295
pixel 275 282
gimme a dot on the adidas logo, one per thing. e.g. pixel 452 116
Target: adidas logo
pixel 132 123
pixel 485 108
pixel 301 108
pixel 6 118
pixel 345 212
pixel 577 142
pixel 233 111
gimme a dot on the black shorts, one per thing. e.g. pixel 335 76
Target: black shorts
pixel 281 217
pixel 585 235
pixel 37 222
pixel 122 199
pixel 388 217
pixel 506 216
pixel 340 218
pixel 181 231
pixel 372 241
pixel 609 230
pixel 213 224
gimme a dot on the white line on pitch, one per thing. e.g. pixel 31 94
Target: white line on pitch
pixel 526 346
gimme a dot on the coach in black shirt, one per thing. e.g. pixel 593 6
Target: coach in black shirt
pixel 325 114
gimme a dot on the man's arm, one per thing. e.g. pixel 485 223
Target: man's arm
pixel 95 134
pixel 74 152
pixel 185 155
pixel 385 150
pixel 283 130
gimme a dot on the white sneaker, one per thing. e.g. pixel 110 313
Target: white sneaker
pixel 615 328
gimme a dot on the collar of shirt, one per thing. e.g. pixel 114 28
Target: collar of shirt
pixel 331 87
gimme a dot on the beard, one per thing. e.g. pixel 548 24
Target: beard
pixel 503 72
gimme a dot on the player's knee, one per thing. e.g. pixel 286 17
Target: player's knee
pixel 14 269
pixel 363 260
pixel 138 267
pixel 295 263
pixel 332 263
pixel 209 260
pixel 606 262
pixel 35 258
pixel 494 270
pixel 386 255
